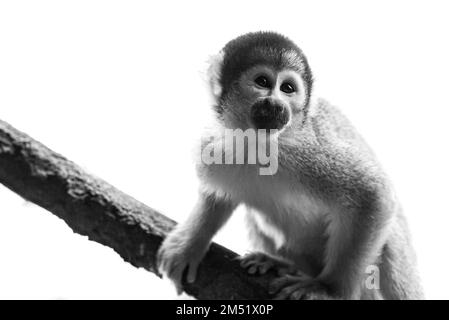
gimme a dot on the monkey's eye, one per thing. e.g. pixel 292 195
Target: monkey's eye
pixel 262 81
pixel 287 87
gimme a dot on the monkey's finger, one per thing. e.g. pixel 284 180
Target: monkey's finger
pixel 162 268
pixel 176 277
pixel 252 269
pixel 179 288
pixel 159 259
pixel 248 261
pixel 159 264
pixel 193 269
pixel 174 270
pixel 298 294
pixel 281 282
pixel 287 292
pixel 264 267
pixel 165 264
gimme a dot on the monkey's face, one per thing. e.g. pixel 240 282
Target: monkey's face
pixel 265 98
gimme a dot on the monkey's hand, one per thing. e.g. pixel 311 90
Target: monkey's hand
pixel 298 286
pixel 261 263
pixel 177 254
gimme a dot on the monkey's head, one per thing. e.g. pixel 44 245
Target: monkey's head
pixel 261 80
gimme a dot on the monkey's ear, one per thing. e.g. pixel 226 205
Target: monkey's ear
pixel 214 75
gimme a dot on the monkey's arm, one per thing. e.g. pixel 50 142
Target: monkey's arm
pixel 185 247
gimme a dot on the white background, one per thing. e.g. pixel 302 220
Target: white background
pixel 118 87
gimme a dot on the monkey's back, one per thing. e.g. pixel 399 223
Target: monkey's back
pixel 329 123
pixel 399 277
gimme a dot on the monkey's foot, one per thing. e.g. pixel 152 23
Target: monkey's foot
pixel 261 263
pixel 298 286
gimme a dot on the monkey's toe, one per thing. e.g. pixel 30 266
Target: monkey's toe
pixel 298 286
pixel 261 263
pixel 256 263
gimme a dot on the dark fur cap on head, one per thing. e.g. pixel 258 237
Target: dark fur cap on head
pixel 267 48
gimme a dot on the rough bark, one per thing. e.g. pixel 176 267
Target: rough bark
pixel 94 208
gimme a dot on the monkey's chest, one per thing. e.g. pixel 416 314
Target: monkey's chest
pixel 294 229
pixel 280 208
pixel 293 226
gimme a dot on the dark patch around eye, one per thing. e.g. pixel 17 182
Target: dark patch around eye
pixel 287 87
pixel 262 81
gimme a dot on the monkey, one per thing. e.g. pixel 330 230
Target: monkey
pixel 327 216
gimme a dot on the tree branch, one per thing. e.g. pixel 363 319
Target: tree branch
pixel 94 208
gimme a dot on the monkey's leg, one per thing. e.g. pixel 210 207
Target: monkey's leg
pixel 399 279
pixel 261 263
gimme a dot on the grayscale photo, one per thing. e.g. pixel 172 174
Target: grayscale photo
pixel 224 151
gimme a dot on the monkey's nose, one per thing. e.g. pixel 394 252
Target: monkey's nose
pixel 268 115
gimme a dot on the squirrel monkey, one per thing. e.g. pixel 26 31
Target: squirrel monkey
pixel 325 216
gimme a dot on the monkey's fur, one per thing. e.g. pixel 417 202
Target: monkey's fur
pixel 329 212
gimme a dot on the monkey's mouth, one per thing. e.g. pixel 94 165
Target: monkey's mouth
pixel 268 114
